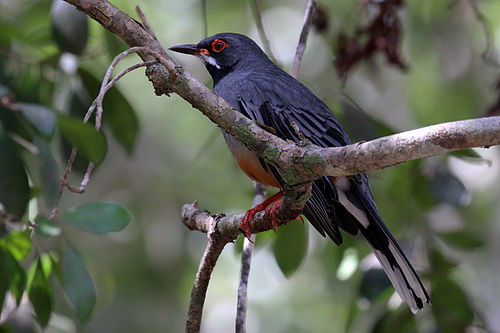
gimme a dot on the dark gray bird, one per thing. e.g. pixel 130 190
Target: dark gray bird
pixel 248 80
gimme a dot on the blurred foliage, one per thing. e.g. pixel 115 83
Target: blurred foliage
pixel 77 273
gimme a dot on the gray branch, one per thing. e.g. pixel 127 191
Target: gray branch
pixel 301 47
pixel 301 163
pixel 246 259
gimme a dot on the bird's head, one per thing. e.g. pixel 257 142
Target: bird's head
pixel 226 52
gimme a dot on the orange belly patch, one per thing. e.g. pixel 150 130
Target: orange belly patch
pixel 251 166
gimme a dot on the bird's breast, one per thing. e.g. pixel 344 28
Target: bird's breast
pixel 249 162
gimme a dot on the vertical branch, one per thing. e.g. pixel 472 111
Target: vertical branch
pixel 246 259
pixel 255 6
pixel 204 17
pixel 214 248
pixel 299 53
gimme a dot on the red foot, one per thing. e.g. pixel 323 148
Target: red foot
pixel 260 207
pixel 299 218
pixel 272 212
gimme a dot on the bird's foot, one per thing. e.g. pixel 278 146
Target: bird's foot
pixel 245 222
pixel 271 211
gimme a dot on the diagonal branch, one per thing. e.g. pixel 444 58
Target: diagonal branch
pixel 301 163
pixel 301 47
pixel 259 22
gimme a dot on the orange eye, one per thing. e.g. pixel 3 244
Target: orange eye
pixel 218 45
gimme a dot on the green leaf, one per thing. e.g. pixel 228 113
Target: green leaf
pixel 467 154
pixel 441 266
pixel 14 189
pixel 98 217
pixel 451 309
pixel 40 292
pixel 290 247
pixel 402 319
pixel 118 113
pixel 47 228
pixel 373 283
pixel 56 266
pixel 78 105
pixel 48 176
pixel 462 239
pixel 18 243
pixel 40 117
pixel 90 142
pixel 46 263
pixel 12 276
pixel 69 27
pixel 446 187
pixel 77 283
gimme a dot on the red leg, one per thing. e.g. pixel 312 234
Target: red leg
pixel 272 211
pixel 260 207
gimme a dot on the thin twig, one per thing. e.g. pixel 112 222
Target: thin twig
pixel 64 178
pixel 145 22
pixel 487 33
pixel 246 259
pixel 105 86
pixel 205 18
pixel 299 53
pixel 255 6
pixel 216 243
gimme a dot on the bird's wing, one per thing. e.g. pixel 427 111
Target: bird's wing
pixel 320 209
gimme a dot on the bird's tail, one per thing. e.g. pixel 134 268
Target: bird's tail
pixel 395 264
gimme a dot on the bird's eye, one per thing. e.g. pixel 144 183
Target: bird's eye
pixel 218 45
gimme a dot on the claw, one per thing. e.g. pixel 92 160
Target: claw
pixel 272 212
pixel 245 222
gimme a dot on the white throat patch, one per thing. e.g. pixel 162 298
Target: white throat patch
pixel 209 60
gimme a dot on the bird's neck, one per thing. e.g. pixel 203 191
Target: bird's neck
pixel 218 74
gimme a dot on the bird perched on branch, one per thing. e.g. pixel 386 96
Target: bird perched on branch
pixel 249 81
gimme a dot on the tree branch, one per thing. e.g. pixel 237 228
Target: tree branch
pixel 301 47
pixel 216 243
pixel 229 226
pixel 259 22
pixel 246 259
pixel 301 163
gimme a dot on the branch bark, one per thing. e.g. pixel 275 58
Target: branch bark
pixel 216 243
pixel 246 259
pixel 301 47
pixel 301 163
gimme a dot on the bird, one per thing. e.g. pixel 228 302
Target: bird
pixel 250 82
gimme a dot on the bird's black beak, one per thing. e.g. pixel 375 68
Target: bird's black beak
pixel 188 49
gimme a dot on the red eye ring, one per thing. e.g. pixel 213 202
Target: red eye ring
pixel 218 45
